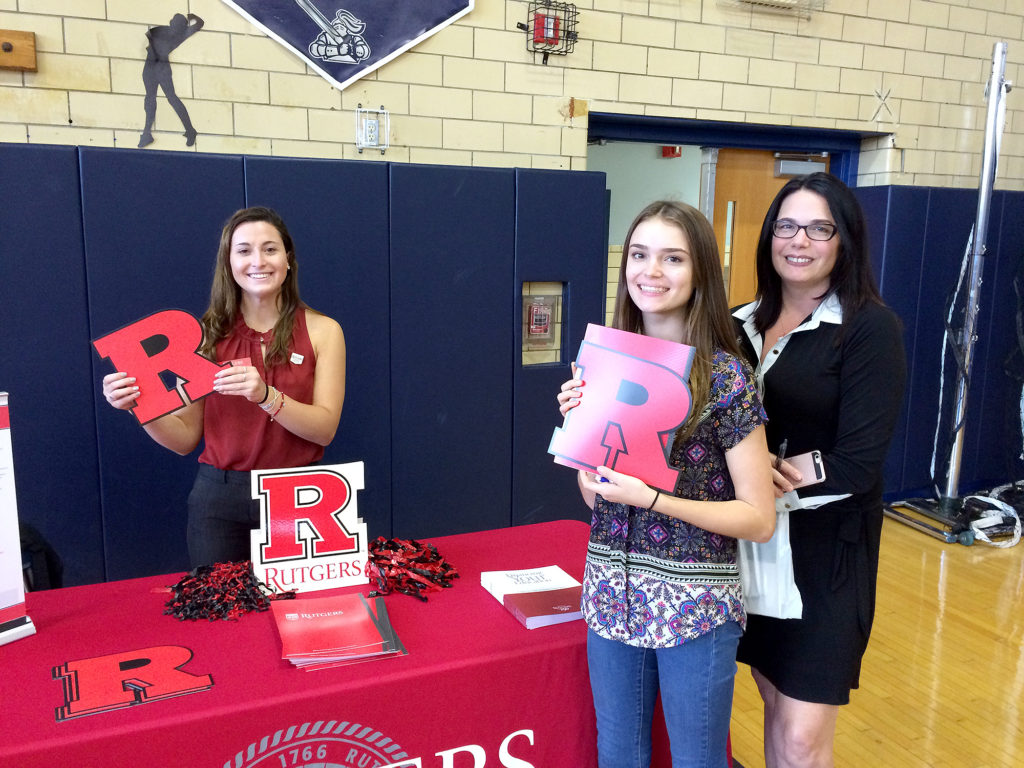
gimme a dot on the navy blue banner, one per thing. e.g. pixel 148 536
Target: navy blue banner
pixel 345 39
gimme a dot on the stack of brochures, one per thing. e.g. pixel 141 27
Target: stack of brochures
pixel 322 632
pixel 537 597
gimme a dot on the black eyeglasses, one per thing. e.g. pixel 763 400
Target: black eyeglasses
pixel 816 230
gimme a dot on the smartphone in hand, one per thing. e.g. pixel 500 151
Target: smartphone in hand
pixel 810 466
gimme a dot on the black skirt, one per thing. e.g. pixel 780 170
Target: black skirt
pixel 817 657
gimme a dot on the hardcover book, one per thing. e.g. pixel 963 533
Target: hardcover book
pixel 541 609
pixel 537 597
pixel 501 583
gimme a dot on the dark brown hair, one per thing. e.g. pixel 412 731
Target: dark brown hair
pixel 225 294
pixel 851 280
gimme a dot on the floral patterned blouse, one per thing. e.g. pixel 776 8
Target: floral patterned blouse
pixel 654 581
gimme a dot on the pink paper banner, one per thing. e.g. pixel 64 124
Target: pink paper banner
pixel 635 396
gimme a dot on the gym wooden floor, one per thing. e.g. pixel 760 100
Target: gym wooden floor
pixel 942 685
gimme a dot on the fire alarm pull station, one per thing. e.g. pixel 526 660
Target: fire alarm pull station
pixel 540 320
pixel 540 324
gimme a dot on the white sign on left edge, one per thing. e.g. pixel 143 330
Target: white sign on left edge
pixel 310 536
pixel 14 622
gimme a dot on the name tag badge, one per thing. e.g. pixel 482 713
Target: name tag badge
pixel 297 358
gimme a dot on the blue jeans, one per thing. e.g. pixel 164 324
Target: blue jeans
pixel 696 683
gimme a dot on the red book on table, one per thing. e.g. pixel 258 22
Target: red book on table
pixel 541 609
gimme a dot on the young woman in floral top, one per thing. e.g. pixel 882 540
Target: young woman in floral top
pixel 661 592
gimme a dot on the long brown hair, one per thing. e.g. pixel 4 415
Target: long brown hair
pixel 706 315
pixel 226 295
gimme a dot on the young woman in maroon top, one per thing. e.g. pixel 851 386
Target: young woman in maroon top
pixel 280 410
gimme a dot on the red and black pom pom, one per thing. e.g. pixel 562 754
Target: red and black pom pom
pixel 409 567
pixel 220 591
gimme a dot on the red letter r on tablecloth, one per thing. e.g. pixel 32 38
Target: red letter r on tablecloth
pixel 103 683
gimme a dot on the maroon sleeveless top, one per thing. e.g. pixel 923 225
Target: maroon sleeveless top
pixel 238 434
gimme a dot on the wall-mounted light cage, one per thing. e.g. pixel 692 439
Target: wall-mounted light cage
pixel 550 28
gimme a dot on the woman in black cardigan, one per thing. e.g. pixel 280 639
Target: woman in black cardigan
pixel 829 356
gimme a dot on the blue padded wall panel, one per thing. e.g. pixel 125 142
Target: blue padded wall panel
pixel 875 202
pixel 453 315
pixel 561 236
pixel 921 234
pixel 896 217
pixel 337 213
pixel 45 361
pixel 944 234
pixel 152 226
pixel 993 440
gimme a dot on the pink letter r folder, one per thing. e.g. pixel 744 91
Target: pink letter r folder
pixel 635 396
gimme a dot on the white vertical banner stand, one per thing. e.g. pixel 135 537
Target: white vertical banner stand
pixel 14 622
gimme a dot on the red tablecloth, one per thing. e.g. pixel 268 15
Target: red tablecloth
pixel 475 689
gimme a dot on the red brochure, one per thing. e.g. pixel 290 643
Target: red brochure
pixel 327 631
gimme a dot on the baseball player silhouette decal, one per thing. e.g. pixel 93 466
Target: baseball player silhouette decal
pixel 157 72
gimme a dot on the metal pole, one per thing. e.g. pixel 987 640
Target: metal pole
pixel 967 338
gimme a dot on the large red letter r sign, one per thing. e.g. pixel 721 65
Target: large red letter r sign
pixel 164 341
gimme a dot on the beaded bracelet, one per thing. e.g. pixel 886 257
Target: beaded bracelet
pixel 279 407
